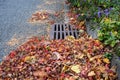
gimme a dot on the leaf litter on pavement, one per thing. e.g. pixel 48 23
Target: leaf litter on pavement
pixel 51 18
pixel 68 59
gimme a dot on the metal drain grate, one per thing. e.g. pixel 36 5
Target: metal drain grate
pixel 60 31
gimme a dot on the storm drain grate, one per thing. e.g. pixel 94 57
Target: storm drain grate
pixel 60 31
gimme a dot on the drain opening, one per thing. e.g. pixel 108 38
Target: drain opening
pixel 58 27
pixel 62 28
pixel 60 31
pixel 63 35
pixel 74 34
pixel 55 35
pixel 55 28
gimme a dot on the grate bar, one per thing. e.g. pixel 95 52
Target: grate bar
pixel 60 31
pixel 68 30
pixel 64 30
pixel 71 30
pixel 56 31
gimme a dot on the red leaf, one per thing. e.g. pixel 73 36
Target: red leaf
pixel 12 54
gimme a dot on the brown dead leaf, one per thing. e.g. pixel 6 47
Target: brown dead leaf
pixel 40 73
pixel 57 14
pixel 39 16
pixel 101 68
pixel 113 68
pixel 51 22
pixel 13 42
pixel 95 57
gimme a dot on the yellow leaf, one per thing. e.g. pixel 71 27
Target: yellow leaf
pixel 65 68
pixel 29 59
pixel 106 60
pixel 75 68
pixel 81 23
pixel 92 73
pixel 70 38
pixel 107 20
pixel 79 56
pixel 66 79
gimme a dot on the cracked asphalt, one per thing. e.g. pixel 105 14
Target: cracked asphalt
pixel 14 26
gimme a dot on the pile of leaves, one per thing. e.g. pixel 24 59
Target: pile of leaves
pixel 68 59
pixel 73 20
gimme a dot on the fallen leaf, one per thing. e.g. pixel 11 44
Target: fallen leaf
pixel 95 57
pixel 97 43
pixel 51 22
pixel 106 60
pixel 65 68
pixel 40 73
pixel 101 68
pixel 75 68
pixel 80 56
pixel 30 59
pixel 12 54
pixel 113 68
pixel 57 14
pixel 91 73
pixel 56 55
pixel 39 16
pixel 70 38
pixel 81 23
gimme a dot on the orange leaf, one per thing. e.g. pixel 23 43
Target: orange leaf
pixel 106 60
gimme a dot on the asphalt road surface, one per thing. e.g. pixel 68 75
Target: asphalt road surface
pixel 14 26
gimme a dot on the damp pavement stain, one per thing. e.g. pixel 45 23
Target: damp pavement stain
pixel 14 26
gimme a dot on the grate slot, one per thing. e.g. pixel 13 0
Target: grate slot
pixel 54 35
pixel 56 31
pixel 58 27
pixel 70 28
pixel 63 35
pixel 55 27
pixel 72 31
pixel 76 33
pixel 58 35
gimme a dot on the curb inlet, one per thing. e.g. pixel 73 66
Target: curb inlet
pixel 60 31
